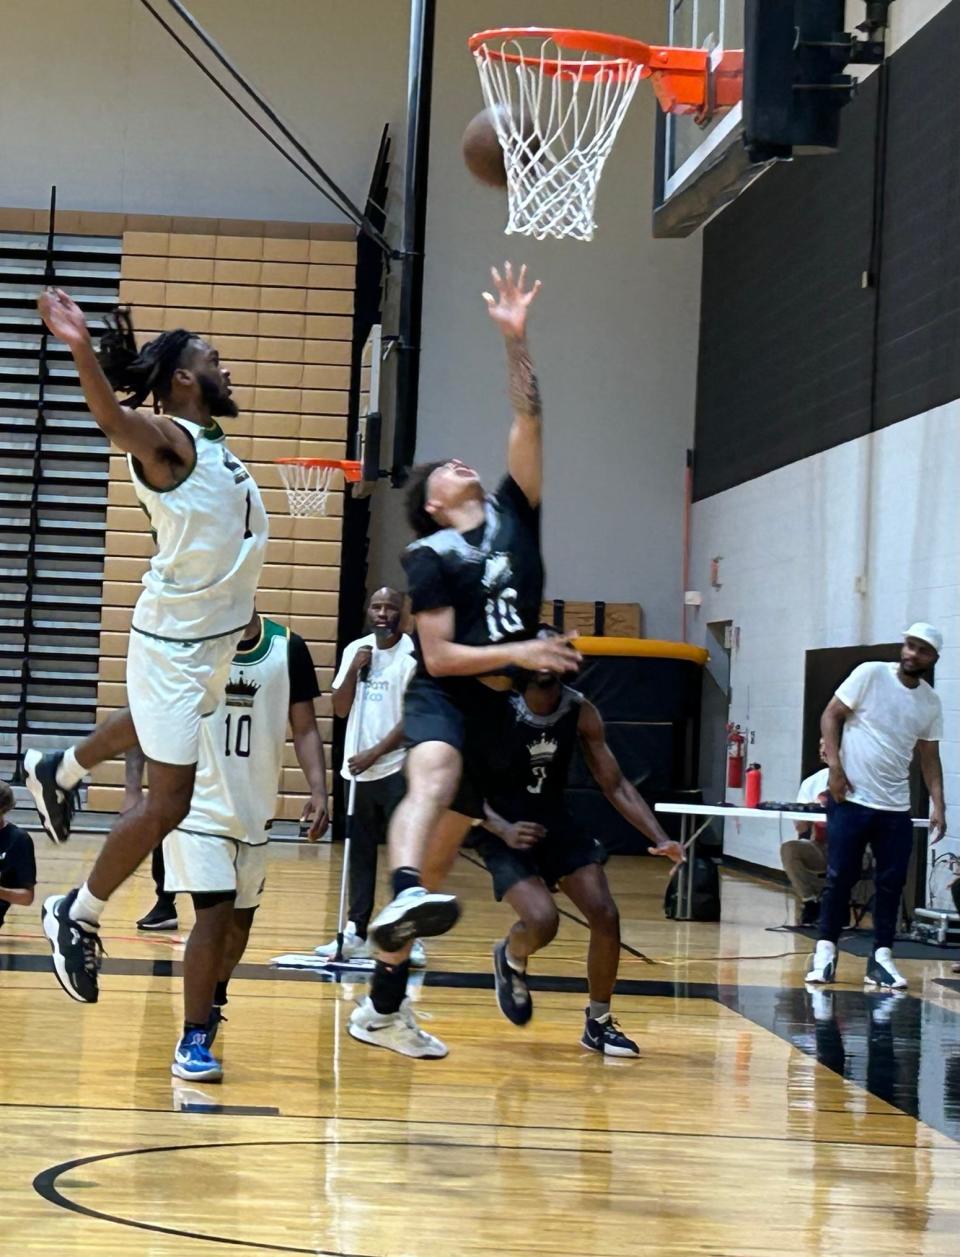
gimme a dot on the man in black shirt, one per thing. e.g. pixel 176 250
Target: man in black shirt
pixel 18 867
pixel 475 579
pixel 531 844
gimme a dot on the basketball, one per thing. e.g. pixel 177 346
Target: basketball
pixel 482 151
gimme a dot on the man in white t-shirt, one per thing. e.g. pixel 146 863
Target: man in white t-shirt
pixel 885 711
pixel 804 858
pixel 374 754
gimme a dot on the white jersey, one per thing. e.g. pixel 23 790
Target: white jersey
pixel 241 744
pixel 211 534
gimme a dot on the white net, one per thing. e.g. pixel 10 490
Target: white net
pixel 556 128
pixel 308 487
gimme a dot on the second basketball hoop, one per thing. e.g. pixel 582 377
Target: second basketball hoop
pixel 308 482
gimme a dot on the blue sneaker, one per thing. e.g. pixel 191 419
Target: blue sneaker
pixel 603 1035
pixel 192 1059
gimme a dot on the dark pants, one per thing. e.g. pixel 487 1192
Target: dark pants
pixel 374 805
pixel 851 828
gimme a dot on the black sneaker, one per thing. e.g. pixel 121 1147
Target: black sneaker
pixel 162 916
pixel 55 805
pixel 77 951
pixel 603 1035
pixel 513 994
pixel 809 912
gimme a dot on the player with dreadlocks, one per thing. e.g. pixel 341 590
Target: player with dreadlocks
pixel 211 533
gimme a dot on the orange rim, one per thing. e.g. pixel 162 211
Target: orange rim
pixel 351 468
pixel 681 76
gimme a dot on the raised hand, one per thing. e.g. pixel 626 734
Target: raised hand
pixel 509 307
pixel 63 316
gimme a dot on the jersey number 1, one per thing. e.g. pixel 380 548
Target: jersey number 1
pixel 238 735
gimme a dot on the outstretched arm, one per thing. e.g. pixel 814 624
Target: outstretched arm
pixel 616 788
pixel 161 446
pixel 508 309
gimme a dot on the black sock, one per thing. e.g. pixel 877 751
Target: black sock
pixel 220 994
pixel 389 986
pixel 189 1026
pixel 403 879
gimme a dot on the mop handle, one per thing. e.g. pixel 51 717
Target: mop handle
pixel 362 678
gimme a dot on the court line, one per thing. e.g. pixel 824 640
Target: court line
pixel 45 1183
pixel 641 1132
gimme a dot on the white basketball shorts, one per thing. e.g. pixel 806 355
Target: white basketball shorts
pixel 204 864
pixel 171 686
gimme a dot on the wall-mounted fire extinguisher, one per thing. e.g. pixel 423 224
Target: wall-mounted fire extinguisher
pixel 754 787
pixel 735 757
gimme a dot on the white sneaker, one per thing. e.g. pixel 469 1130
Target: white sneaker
pixel 823 967
pixel 354 947
pixel 415 913
pixel 400 1031
pixel 418 956
pixel 882 972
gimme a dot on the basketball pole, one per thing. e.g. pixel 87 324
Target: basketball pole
pixel 423 15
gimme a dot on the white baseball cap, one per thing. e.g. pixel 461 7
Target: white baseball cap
pixel 926 633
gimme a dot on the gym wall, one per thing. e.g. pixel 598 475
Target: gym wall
pixel 827 418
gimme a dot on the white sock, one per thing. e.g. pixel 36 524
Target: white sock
pixel 825 951
pixel 518 966
pixel 87 908
pixel 69 772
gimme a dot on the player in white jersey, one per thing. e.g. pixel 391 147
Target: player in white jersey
pixel 218 852
pixel 211 533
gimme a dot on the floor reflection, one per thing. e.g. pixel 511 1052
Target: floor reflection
pixel 898 1048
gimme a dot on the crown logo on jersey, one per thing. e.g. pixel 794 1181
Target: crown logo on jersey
pixel 542 752
pixel 240 692
pixel 497 571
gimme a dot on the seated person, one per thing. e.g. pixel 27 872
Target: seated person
pixel 18 868
pixel 804 858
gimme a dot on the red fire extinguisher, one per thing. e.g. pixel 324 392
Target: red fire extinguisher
pixel 735 756
pixel 752 793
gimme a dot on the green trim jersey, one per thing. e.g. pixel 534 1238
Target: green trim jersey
pixel 242 742
pixel 211 535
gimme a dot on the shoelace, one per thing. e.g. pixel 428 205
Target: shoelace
pixel 518 988
pixel 410 1021
pixel 93 952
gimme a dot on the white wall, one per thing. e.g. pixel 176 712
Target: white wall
pixel 881 512
pixel 613 335
pixel 96 98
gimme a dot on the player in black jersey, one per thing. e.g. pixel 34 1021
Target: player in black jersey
pixel 475 579
pixel 531 845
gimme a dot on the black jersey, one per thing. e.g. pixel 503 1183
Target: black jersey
pixel 531 761
pixel 492 576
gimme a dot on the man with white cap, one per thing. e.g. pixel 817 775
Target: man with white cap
pixel 884 711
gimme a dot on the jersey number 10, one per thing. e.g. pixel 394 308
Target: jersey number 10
pixel 238 735
pixel 503 619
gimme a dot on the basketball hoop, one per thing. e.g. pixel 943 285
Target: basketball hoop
pixel 308 482
pixel 557 115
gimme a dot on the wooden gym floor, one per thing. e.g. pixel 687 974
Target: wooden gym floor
pixel 760 1120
